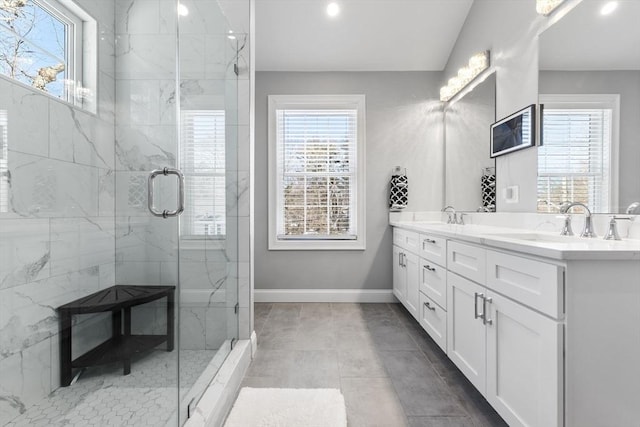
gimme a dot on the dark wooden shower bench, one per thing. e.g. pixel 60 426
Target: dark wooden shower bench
pixel 122 345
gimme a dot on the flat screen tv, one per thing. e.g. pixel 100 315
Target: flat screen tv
pixel 514 132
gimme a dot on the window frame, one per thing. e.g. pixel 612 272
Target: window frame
pixel 81 55
pixel 314 102
pixel 604 101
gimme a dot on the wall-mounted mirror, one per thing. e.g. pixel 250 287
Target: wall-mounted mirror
pixel 589 84
pixel 469 171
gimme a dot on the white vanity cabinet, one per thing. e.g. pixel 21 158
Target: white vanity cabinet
pixel 406 270
pixel 508 350
pixel 548 333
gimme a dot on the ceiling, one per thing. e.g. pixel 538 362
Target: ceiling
pixel 367 35
pixel 586 40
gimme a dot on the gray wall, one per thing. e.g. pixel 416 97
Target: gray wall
pixel 514 55
pixel 625 83
pixel 403 127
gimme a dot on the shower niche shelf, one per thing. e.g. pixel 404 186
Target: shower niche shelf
pixel 122 345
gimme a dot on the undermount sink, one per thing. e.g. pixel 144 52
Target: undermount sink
pixel 535 237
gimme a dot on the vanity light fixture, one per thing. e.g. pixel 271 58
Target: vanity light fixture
pixel 608 8
pixel 333 9
pixel 545 7
pixel 477 64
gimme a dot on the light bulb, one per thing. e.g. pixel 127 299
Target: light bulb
pixel 333 9
pixel 609 7
pixel 478 62
pixel 465 74
pixel 445 93
pixel 545 7
pixel 454 83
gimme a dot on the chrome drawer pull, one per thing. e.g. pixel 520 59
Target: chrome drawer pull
pixel 484 311
pixel 426 304
pixel 477 315
pixel 428 267
pixel 430 241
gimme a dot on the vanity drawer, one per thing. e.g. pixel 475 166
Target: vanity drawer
pixel 433 249
pixel 433 320
pixel 433 281
pixel 533 283
pixel 467 261
pixel 406 239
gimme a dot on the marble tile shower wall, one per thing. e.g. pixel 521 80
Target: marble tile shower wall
pixel 56 222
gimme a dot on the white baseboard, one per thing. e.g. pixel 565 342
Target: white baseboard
pixel 324 295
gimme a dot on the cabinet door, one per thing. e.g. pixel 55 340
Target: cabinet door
pixel 412 267
pixel 466 341
pixel 399 275
pixel 524 364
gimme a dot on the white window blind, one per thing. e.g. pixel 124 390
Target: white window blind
pixel 317 173
pixel 574 160
pixel 203 164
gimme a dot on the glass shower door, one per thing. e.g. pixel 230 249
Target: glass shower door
pixel 208 260
pixel 148 196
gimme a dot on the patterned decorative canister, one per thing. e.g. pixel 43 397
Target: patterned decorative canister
pixel 398 189
pixel 488 188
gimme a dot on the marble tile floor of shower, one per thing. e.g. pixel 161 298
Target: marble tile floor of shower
pixel 102 396
pixel 391 373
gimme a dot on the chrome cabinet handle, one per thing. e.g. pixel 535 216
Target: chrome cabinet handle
pixel 400 259
pixel 426 304
pixel 429 268
pixel 433 242
pixel 484 310
pixel 150 188
pixel 477 315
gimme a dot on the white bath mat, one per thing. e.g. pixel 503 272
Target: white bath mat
pixel 288 407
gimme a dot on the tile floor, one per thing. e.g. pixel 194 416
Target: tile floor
pixel 389 370
pixel 102 396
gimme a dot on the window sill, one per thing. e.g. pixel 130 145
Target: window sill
pixel 316 245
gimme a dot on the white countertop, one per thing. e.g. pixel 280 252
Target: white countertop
pixel 533 242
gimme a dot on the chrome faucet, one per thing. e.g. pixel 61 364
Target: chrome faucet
pixel 612 233
pixel 452 216
pixel 587 231
pixel 633 208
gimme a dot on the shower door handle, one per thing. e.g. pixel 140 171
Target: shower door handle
pixel 166 171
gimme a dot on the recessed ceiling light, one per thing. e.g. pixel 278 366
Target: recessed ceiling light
pixel 609 7
pixel 182 10
pixel 333 9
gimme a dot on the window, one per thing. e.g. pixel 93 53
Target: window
pixel 577 159
pixel 41 45
pixel 316 172
pixel 203 163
